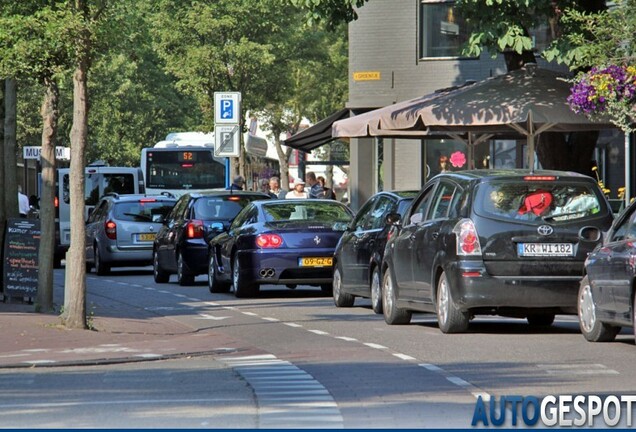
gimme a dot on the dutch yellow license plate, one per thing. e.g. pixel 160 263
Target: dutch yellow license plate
pixel 147 237
pixel 315 261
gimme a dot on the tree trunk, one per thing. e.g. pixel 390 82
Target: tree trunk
pixel 50 114
pixel 283 162
pixel 567 152
pixel 75 287
pixel 10 159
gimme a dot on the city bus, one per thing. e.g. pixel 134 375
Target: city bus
pixel 183 162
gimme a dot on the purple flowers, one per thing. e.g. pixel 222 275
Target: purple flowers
pixel 610 90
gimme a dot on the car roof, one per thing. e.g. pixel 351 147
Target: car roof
pixel 401 194
pixel 503 174
pixel 224 192
pixel 137 197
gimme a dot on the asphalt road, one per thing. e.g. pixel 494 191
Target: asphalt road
pixel 320 366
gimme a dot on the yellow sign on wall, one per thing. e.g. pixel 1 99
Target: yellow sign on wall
pixel 366 76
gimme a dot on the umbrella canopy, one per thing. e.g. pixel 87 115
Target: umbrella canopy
pixel 528 100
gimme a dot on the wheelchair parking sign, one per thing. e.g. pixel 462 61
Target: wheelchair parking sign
pixel 227 107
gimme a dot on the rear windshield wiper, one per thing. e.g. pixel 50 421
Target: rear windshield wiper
pixel 139 216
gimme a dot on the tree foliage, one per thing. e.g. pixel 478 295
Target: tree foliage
pixel 332 13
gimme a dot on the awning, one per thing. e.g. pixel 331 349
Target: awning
pixel 320 133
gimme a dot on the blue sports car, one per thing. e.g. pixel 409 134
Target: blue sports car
pixel 283 242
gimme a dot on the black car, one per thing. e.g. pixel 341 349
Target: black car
pixel 181 245
pixel 503 242
pixel 606 296
pixel 282 242
pixel 358 256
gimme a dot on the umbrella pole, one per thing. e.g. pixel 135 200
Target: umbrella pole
pixel 530 142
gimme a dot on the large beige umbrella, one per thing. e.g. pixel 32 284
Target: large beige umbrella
pixel 528 101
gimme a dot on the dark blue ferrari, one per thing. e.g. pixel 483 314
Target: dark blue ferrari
pixel 281 242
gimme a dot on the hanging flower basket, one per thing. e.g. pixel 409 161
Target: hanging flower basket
pixel 607 93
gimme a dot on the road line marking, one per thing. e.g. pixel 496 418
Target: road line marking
pixel 376 346
pixel 181 295
pixel 318 332
pixel 271 319
pixel 211 303
pixel 196 300
pixel 164 292
pixel 348 339
pixel 458 381
pixel 211 317
pixel 404 357
pixel 431 367
pixel 291 324
pixel 37 362
pixel 249 313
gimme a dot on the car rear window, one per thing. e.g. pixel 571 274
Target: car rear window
pixel 552 201
pixel 221 208
pixel 309 210
pixel 142 210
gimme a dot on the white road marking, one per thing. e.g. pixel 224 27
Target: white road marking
pixel 291 324
pixel 318 332
pixel 211 317
pixel 249 313
pixel 458 381
pixel 375 346
pixel 271 319
pixel 348 339
pixel 404 357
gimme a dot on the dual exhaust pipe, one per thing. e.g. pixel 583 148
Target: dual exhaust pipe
pixel 267 272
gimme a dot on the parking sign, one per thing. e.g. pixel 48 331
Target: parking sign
pixel 227 107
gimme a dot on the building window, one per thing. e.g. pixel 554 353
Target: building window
pixel 442 32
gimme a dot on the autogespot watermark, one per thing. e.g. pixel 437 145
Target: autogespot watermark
pixel 562 410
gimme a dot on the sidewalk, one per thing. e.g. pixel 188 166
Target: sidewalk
pixel 29 339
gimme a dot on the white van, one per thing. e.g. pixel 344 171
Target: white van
pixel 100 180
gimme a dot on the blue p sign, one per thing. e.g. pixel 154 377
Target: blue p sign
pixel 227 108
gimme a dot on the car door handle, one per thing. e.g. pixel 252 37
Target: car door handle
pixel 434 235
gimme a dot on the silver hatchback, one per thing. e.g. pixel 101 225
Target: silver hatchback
pixel 121 230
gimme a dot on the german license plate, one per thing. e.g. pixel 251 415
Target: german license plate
pixel 315 261
pixel 147 237
pixel 545 249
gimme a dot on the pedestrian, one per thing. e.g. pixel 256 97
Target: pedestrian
pixel 298 191
pixel 315 190
pixel 274 188
pixel 23 203
pixel 263 185
pixel 237 183
pixel 328 192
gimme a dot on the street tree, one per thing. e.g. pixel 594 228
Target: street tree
pixel 330 12
pixel 227 45
pixel 30 50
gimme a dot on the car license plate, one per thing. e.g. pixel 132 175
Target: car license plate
pixel 147 237
pixel 545 249
pixel 315 261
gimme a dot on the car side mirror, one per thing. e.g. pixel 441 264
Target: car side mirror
pixel 393 219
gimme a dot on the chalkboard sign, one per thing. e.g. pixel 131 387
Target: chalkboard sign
pixel 21 245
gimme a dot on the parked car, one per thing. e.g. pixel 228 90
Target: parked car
pixel 287 242
pixel 181 245
pixel 606 295
pixel 358 256
pixel 503 242
pixel 121 229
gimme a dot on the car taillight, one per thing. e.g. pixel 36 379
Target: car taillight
pixel 111 229
pixel 467 238
pixel 194 229
pixel 269 241
pixel 56 202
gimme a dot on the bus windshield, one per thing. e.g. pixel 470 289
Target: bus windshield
pixel 183 169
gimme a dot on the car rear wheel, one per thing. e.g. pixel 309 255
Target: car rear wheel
pixel 158 273
pixel 184 277
pixel 101 268
pixel 242 287
pixel 392 313
pixel 340 298
pixel 214 284
pixel 450 318
pixel 540 320
pixel 593 330
pixel 376 291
